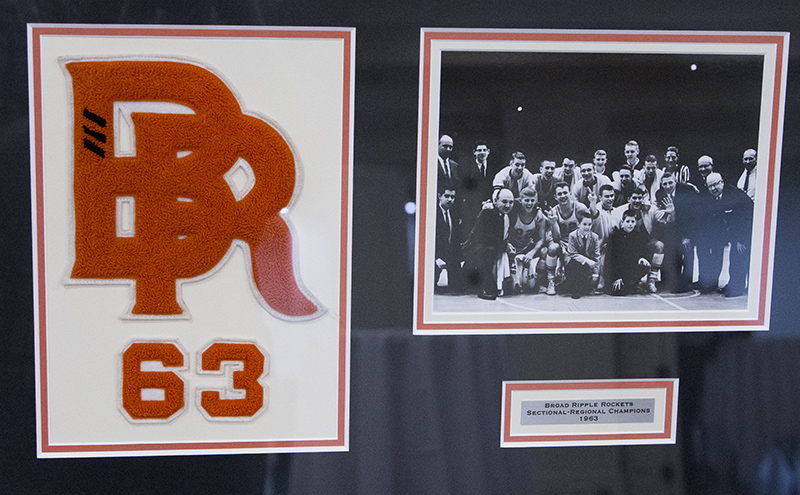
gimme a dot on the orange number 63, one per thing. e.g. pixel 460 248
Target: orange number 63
pixel 152 390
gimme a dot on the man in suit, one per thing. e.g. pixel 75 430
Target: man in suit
pixel 705 166
pixel 448 249
pixel 447 168
pixel 476 186
pixel 747 182
pixel 485 261
pixel 709 263
pixel 676 205
pixel 730 212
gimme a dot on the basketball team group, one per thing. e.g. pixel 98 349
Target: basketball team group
pixel 578 229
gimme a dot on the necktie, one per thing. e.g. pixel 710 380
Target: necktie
pixel 746 180
pixel 447 168
pixel 449 225
pixel 483 170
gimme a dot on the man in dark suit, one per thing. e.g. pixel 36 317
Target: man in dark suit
pixel 447 168
pixel 476 186
pixel 705 165
pixel 484 248
pixel 747 181
pixel 676 206
pixel 731 219
pixel 448 250
pixel 709 263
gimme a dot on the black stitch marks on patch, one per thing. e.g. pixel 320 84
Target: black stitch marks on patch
pixel 94 148
pixel 94 117
pixel 99 136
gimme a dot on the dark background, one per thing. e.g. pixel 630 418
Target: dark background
pixel 552 105
pixel 425 411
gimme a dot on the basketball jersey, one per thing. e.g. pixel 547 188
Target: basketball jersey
pixel 522 234
pixel 569 224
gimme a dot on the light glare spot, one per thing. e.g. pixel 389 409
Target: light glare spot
pixel 411 207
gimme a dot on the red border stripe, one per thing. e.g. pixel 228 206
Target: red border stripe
pixel 423 179
pixel 40 244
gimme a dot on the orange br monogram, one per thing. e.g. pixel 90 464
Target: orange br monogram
pixel 156 205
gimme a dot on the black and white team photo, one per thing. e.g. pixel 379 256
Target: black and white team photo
pixel 595 182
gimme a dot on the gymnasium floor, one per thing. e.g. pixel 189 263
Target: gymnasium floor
pixel 690 301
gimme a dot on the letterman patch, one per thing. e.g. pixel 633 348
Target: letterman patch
pixel 191 247
pixel 155 145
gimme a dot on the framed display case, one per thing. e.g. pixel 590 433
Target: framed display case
pixel 398 386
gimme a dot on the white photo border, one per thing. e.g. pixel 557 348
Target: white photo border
pixel 338 319
pixel 772 46
pixel 663 430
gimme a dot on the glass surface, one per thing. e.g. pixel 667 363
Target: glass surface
pixel 425 411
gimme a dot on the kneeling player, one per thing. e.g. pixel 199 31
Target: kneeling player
pixel 563 220
pixel 626 258
pixel 526 238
